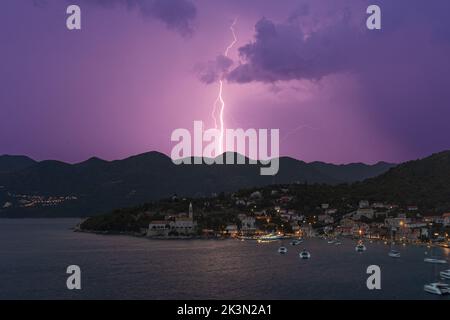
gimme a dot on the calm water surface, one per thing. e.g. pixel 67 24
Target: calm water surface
pixel 34 255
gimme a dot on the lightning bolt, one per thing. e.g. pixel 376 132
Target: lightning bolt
pixel 220 101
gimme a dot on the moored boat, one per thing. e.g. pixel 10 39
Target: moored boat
pixel 270 237
pixel 360 247
pixel 435 260
pixel 304 254
pixel 282 250
pixel 296 242
pixel 437 288
pixel 394 254
pixel 445 274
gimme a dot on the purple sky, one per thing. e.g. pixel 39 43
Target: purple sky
pixel 139 69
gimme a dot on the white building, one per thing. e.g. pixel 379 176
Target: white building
pixel 397 222
pixel 158 228
pixel 434 219
pixel 232 230
pixel 363 204
pixel 298 217
pixel 181 225
pixel 247 223
pixel 307 231
pixel 378 205
pixel 364 212
pixel 256 195
pixel 185 225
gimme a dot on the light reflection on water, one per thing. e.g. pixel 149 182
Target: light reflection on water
pixel 35 253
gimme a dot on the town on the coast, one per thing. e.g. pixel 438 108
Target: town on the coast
pixel 258 219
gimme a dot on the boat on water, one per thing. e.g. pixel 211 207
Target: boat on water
pixel 244 238
pixel 337 243
pixel 394 254
pixel 270 237
pixel 435 260
pixel 360 247
pixel 331 241
pixel 304 254
pixel 438 288
pixel 282 250
pixel 445 274
pixel 296 242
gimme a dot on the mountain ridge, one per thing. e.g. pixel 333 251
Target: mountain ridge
pixel 102 185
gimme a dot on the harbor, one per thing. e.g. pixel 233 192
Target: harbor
pixel 124 267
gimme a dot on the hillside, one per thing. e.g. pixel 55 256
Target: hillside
pixel 424 182
pixel 101 185
pixel 10 163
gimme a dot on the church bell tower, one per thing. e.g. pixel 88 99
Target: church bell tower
pixel 191 212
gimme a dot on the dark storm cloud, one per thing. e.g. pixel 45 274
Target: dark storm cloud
pixel 401 72
pixel 214 70
pixel 285 52
pixel 290 50
pixel 177 15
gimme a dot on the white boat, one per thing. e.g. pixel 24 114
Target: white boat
pixel 304 254
pixel 282 250
pixel 331 241
pixel 394 254
pixel 270 237
pixel 435 260
pixel 437 288
pixel 337 243
pixel 445 274
pixel 360 247
pixel 243 238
